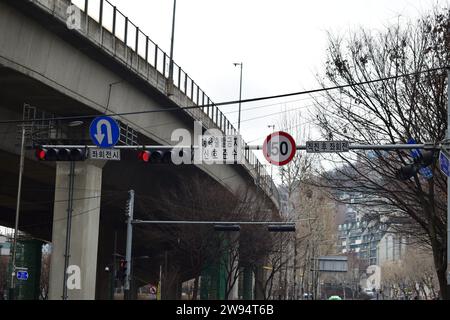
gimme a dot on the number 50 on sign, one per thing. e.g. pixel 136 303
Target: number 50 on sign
pixel 279 148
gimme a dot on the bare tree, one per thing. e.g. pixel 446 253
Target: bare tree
pixel 316 236
pixel 392 111
pixel 45 275
pixel 199 246
pixel 3 275
pixel 418 272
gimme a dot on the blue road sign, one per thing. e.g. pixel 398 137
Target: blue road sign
pixel 22 275
pixel 444 164
pixel 104 132
pixel 416 154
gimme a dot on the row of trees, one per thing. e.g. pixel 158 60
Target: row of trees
pixel 391 111
pixel 414 276
pixel 192 249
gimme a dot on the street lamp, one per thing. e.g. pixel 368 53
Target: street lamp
pixel 240 95
pixel 171 47
pixel 271 166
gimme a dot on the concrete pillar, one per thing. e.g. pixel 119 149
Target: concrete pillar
pixel 84 229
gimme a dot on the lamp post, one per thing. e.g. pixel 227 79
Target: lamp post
pixel 271 166
pixel 171 48
pixel 240 95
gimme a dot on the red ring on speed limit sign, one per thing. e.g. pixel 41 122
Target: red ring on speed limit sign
pixel 285 142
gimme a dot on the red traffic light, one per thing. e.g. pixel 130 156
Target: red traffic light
pixel 41 153
pixel 155 156
pixel 144 156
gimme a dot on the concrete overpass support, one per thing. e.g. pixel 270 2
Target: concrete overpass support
pixel 84 229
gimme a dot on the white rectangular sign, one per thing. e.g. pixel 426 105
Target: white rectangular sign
pixel 221 149
pixel 326 146
pixel 104 154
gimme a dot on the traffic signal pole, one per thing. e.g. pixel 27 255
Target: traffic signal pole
pixel 448 185
pixel 68 227
pixel 130 209
pixel 400 146
pixel 12 294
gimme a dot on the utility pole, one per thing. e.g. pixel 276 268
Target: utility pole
pixel 448 186
pixel 160 284
pixel 294 294
pixel 129 213
pixel 114 268
pixel 12 294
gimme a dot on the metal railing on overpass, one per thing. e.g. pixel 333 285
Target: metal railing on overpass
pixel 111 29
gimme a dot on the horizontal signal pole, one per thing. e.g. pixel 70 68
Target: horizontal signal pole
pixel 218 222
pixel 427 146
pixel 370 146
pixel 117 147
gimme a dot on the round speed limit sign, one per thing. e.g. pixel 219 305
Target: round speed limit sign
pixel 279 148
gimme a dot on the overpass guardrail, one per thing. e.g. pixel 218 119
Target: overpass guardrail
pixel 109 28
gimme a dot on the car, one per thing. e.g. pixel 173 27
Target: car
pixel 369 292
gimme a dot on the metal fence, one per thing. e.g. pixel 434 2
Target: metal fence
pixel 103 23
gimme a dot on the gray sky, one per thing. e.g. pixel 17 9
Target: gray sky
pixel 281 43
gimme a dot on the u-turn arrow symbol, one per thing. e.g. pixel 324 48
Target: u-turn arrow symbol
pixel 99 135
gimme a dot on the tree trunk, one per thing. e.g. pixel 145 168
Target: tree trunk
pixel 195 290
pixel 440 258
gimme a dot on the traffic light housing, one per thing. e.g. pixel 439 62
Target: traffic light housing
pixel 227 227
pixel 407 172
pixel 425 159
pixel 159 156
pixel 60 154
pixel 122 272
pixel 281 228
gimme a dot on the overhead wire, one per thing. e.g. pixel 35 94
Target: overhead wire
pixel 169 109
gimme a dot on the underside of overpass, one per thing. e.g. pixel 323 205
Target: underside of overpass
pixel 18 86
pixel 150 182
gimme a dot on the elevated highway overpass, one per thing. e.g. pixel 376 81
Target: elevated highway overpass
pixel 103 67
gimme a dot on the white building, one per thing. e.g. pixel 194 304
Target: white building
pixel 391 247
pixel 4 246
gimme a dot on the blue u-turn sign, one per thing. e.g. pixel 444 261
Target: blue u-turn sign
pixel 104 132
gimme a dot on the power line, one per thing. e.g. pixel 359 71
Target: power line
pixel 247 109
pixel 233 101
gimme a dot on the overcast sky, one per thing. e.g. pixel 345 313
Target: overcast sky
pixel 281 43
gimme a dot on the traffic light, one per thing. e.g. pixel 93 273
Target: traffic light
pixel 425 159
pixel 281 228
pixel 60 154
pixel 122 272
pixel 227 227
pixel 162 156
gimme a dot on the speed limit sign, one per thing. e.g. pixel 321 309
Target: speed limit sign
pixel 279 148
